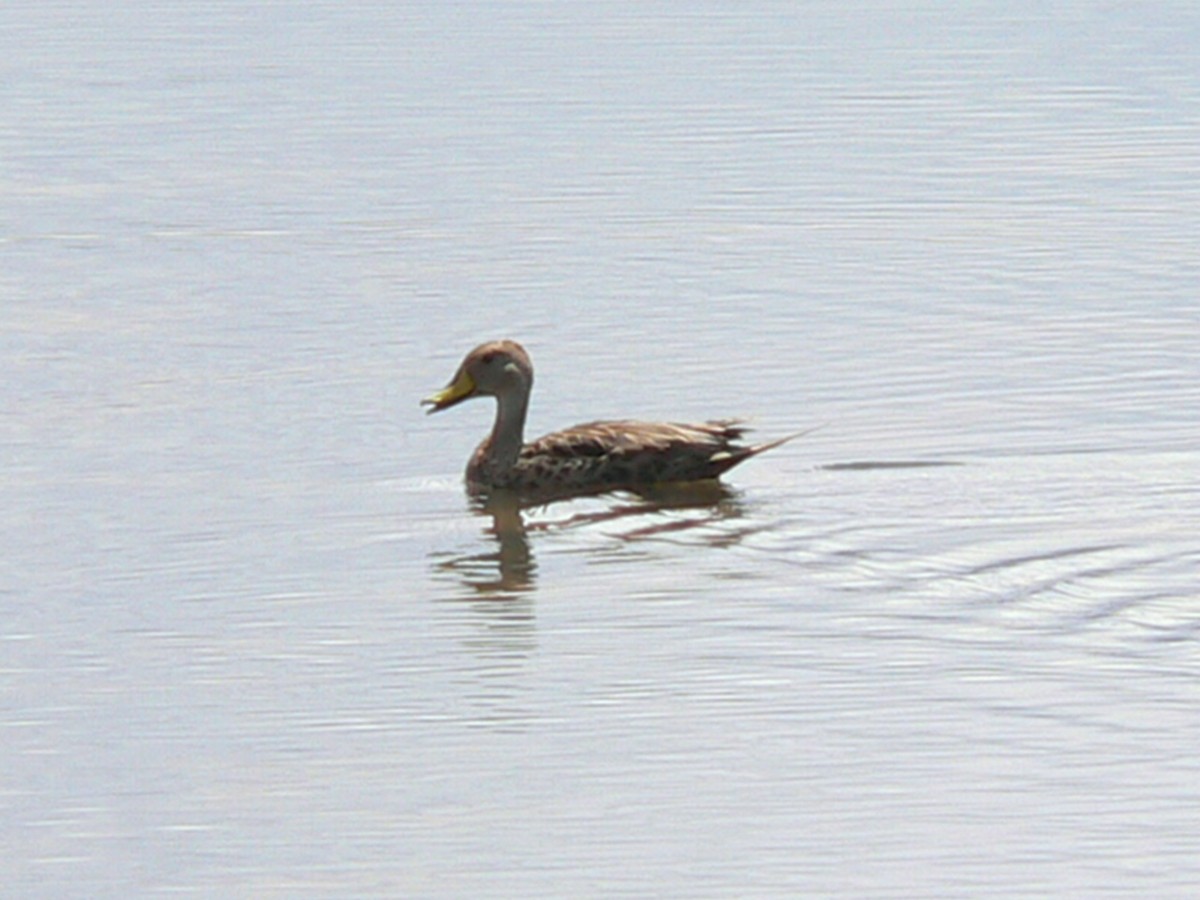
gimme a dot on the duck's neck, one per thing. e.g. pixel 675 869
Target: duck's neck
pixel 508 433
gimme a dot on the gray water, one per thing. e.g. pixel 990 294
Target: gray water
pixel 256 641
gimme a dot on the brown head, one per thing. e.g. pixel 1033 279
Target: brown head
pixel 495 369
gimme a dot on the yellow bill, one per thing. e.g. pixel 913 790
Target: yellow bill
pixel 462 387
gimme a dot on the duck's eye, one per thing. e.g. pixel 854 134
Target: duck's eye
pixel 488 358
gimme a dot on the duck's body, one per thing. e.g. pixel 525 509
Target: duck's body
pixel 615 454
pixel 595 456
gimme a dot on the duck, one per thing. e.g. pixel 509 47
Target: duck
pixel 592 457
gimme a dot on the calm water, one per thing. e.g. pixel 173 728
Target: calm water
pixel 257 642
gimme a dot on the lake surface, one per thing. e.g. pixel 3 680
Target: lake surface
pixel 257 641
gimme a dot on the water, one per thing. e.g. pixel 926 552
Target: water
pixel 256 640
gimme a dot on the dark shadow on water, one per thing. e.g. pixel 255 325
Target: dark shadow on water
pixel 508 568
pixel 871 465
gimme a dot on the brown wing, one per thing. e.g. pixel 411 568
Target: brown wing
pixel 628 452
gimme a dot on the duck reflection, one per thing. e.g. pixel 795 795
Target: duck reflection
pixel 509 567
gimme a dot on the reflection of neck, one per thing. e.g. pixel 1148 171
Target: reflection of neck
pixel 508 434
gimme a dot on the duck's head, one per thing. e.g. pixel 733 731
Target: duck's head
pixel 495 369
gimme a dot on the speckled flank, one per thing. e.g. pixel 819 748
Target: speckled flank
pixel 618 454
